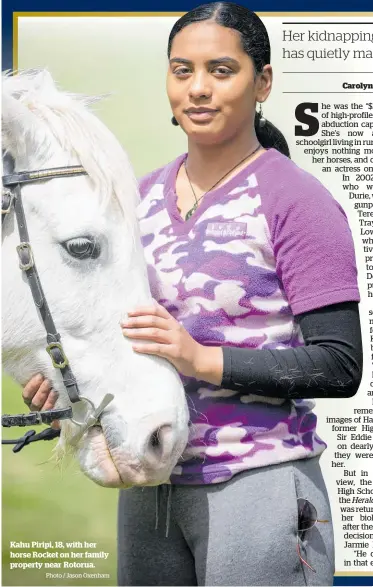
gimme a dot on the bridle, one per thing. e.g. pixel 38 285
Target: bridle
pixel 12 198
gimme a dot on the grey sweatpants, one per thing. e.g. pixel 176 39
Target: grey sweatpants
pixel 242 532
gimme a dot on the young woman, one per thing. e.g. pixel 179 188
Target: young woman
pixel 252 264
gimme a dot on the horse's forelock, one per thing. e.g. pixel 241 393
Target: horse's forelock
pixel 76 129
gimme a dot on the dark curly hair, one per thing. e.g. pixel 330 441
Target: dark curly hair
pixel 255 43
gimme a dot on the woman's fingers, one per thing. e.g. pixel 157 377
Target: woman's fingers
pixel 50 401
pixel 39 395
pixel 148 334
pixel 31 388
pixel 156 310
pixel 144 321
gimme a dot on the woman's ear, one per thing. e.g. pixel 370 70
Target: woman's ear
pixel 264 83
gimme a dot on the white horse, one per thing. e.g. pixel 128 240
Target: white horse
pixel 87 293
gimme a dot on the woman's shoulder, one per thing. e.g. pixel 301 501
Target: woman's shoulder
pixel 287 175
pixel 293 198
pixel 158 176
pixel 285 183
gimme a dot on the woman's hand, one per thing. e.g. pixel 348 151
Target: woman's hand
pixel 171 341
pixel 38 395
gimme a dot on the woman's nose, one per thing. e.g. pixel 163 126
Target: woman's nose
pixel 199 87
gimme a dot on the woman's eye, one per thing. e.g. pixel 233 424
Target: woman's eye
pixel 222 71
pixel 83 247
pixel 181 71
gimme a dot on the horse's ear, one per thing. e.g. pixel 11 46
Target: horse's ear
pixel 43 81
pixel 21 129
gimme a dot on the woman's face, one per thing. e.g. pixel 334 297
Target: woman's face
pixel 211 83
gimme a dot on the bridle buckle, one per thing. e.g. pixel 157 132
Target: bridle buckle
pixel 7 193
pixel 62 363
pixel 25 249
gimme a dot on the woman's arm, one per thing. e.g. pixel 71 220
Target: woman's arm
pixel 329 365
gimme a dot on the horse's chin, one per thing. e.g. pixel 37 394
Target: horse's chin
pixel 114 469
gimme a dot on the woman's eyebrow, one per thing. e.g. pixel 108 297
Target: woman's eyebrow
pixel 221 60
pixel 218 61
pixel 180 60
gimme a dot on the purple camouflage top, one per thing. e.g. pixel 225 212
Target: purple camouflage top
pixel 267 245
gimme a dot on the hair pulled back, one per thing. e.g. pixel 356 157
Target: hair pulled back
pixel 255 43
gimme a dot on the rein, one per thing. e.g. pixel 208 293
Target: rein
pixel 12 198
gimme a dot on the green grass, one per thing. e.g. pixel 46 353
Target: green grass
pixel 42 503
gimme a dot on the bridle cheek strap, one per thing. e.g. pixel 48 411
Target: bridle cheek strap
pixel 27 265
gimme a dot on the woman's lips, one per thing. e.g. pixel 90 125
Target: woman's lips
pixel 201 115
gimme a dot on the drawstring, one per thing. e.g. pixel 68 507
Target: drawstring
pixel 168 508
pixel 168 512
pixel 157 491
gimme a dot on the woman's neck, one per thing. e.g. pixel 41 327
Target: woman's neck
pixel 207 163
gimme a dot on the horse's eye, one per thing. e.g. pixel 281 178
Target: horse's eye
pixel 82 247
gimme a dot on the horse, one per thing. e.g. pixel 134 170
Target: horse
pixel 86 244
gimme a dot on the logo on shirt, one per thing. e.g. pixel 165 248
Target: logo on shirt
pixel 228 229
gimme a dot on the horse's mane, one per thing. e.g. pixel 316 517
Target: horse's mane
pixel 78 132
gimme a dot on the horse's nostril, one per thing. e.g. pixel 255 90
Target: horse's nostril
pixel 160 443
pixel 154 440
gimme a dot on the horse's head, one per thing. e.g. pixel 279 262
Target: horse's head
pixel 86 244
